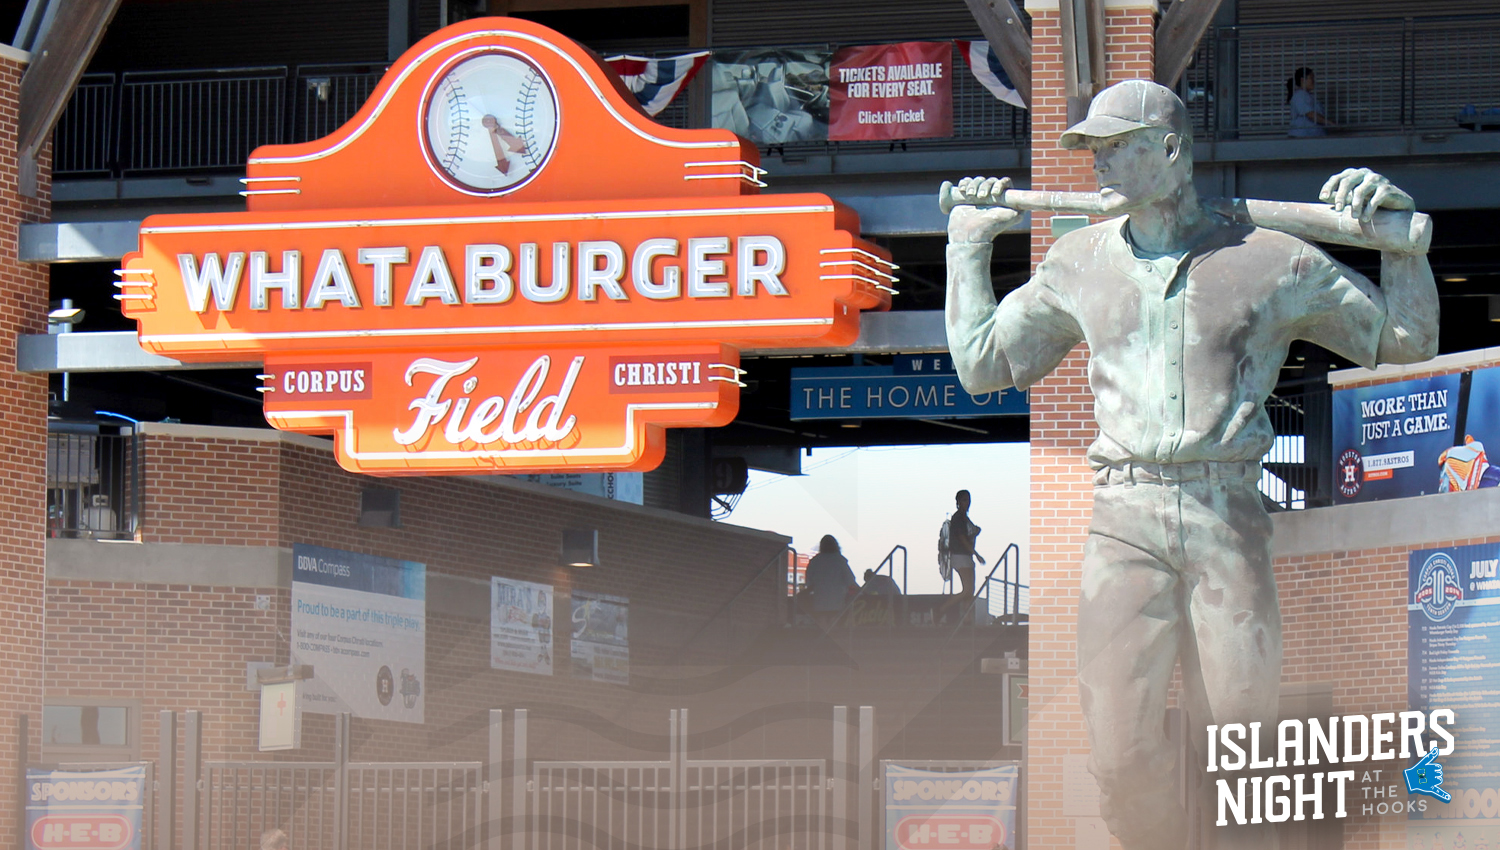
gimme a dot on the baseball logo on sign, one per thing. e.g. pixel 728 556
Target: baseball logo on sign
pixel 490 123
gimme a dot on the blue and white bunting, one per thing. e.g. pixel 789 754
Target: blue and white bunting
pixel 988 71
pixel 656 81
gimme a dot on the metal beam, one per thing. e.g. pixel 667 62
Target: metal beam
pixel 78 242
pixel 899 332
pixel 108 351
pixel 57 61
pixel 1177 37
pixel 908 332
pixel 1002 24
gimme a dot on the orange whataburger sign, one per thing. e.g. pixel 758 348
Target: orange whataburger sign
pixel 501 264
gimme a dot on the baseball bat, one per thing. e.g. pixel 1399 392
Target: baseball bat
pixel 1397 231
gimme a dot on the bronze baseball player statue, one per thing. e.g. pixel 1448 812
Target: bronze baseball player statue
pixel 1188 309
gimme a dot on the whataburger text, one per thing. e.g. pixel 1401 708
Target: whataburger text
pixel 659 268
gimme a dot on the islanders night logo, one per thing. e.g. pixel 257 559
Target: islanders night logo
pixel 1438 588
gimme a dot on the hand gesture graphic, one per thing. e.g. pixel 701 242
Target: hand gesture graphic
pixel 1426 777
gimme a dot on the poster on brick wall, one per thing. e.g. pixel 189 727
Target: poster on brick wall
pixel 879 92
pixel 93 810
pixel 520 626
pixel 601 638
pixel 361 622
pixel 1390 440
pixel 1453 662
pixel 618 486
pixel 970 809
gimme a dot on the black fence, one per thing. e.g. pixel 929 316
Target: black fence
pixel 1298 468
pixel 147 123
pixel 142 123
pixel 94 482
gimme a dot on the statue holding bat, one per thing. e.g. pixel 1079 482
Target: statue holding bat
pixel 1188 307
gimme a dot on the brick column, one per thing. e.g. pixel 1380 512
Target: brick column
pixel 1062 427
pixel 23 433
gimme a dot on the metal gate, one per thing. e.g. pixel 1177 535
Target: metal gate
pixel 334 805
pixel 688 804
pixel 511 802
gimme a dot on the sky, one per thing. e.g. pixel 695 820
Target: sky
pixel 872 499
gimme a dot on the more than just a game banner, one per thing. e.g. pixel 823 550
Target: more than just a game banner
pixel 961 810
pixel 772 96
pixel 600 647
pixel 520 626
pixel 361 622
pixel 1453 662
pixel 93 810
pixel 880 92
pixel 1389 440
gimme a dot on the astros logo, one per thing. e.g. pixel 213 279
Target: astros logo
pixel 1438 588
pixel 1350 475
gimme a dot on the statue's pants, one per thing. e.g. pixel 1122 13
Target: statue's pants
pixel 1177 567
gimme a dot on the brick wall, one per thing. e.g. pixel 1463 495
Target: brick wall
pixel 754 687
pixel 23 433
pixel 1062 426
pixel 220 491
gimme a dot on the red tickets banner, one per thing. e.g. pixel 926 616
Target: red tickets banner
pixel 891 91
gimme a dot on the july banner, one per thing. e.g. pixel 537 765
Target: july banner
pixel 891 91
pixel 601 637
pixel 772 96
pixel 1453 662
pixel 965 810
pixel 520 626
pixel 361 622
pixel 94 810
pixel 1390 440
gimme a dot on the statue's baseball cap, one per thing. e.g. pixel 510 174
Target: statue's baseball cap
pixel 1127 106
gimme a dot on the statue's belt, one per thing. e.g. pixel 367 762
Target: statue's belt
pixel 1142 472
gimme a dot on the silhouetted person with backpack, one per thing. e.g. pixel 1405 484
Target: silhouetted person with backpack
pixel 961 554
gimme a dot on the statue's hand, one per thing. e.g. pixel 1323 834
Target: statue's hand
pixel 983 219
pixel 1363 192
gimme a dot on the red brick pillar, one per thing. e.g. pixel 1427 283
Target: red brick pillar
pixel 1062 427
pixel 23 433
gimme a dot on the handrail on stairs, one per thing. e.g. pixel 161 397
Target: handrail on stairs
pixel 890 561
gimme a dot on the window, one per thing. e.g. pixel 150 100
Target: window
pixel 80 729
pixel 380 507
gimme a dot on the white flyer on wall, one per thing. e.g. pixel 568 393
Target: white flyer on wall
pixel 601 638
pixel 361 622
pixel 520 626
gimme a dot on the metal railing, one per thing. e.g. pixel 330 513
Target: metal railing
pixel 690 804
pixel 199 120
pixel 1403 74
pixel 1015 598
pixel 241 800
pixel 1372 76
pixel 326 96
pixel 1297 469
pixel 336 805
pixel 888 565
pixel 141 123
pixel 94 481
pixel 84 143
